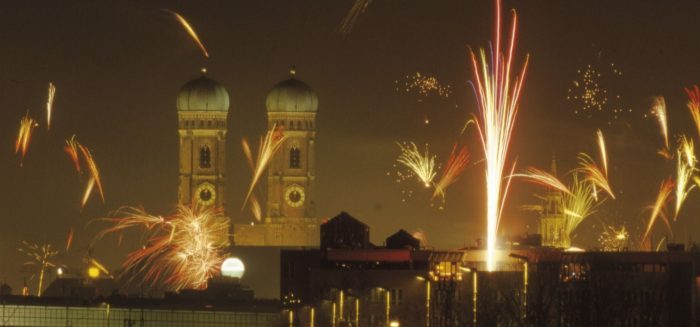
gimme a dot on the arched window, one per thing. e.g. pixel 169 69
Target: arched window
pixel 204 157
pixel 294 158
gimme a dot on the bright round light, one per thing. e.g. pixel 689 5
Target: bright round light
pixel 232 267
pixel 93 272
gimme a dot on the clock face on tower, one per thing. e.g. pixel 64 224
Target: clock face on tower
pixel 294 196
pixel 205 194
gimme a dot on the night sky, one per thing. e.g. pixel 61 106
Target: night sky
pixel 119 65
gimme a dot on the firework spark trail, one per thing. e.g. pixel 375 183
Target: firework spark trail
pixel 358 7
pixel 49 105
pixel 88 191
pixel 543 178
pixel 71 148
pixel 422 165
pixel 41 256
pixel 578 204
pixel 69 239
pixel 658 109
pixel 694 106
pixel 453 169
pixel 189 30
pixel 269 145
pixel 657 208
pixel 685 169
pixel 94 174
pixel 182 250
pixel 497 96
pixel 255 207
pixel 594 175
pixel 24 136
pixel 603 152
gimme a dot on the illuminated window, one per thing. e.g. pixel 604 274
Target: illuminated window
pixel 294 158
pixel 204 157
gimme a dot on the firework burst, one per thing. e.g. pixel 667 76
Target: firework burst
pixel 579 204
pixel 188 28
pixel 424 86
pixel 41 256
pixel 497 96
pixel 685 169
pixel 24 136
pixel 453 169
pixel 269 145
pixel 694 106
pixel 613 239
pixel 590 91
pixel 420 164
pixel 181 251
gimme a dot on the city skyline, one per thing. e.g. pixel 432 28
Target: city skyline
pixel 118 67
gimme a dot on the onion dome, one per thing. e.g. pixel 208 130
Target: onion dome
pixel 292 95
pixel 202 94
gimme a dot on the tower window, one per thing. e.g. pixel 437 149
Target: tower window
pixel 204 157
pixel 294 158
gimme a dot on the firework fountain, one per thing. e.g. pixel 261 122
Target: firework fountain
pixel 497 94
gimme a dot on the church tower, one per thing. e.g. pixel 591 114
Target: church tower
pixel 553 220
pixel 290 213
pixel 202 107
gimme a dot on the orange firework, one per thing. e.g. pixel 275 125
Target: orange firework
pixel 182 250
pixel 694 106
pixel 94 174
pixel 454 167
pixel 269 145
pixel 190 31
pixel 69 239
pixel 657 209
pixel 49 104
pixel 71 148
pixel 26 127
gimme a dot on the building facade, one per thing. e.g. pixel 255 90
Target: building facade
pixel 290 208
pixel 202 107
pixel 552 219
pixel 351 282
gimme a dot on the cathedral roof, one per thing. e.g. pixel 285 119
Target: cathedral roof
pixel 292 95
pixel 202 94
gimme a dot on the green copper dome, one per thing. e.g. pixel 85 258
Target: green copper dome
pixel 202 94
pixel 291 95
